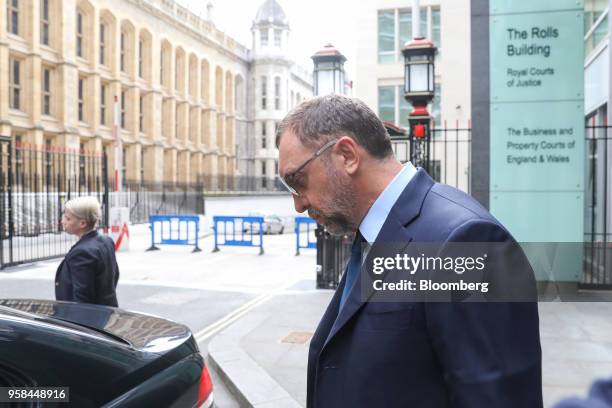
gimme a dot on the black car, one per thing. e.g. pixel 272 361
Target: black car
pixel 107 357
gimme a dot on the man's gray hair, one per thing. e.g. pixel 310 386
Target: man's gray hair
pixel 319 120
pixel 85 208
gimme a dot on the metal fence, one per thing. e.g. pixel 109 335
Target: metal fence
pixel 145 199
pixel 35 182
pixel 450 155
pixel 597 221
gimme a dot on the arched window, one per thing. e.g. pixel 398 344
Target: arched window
pixel 277 92
pixel 193 76
pixel 126 48
pixel 13 16
pixel 165 64
pixel 106 39
pixel 239 95
pixel 205 82
pixel 229 92
pixel 264 92
pixel 219 88
pixel 145 51
pixel 80 33
pixel 179 74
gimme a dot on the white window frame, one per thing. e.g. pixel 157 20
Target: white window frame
pixel 397 53
pixel 103 32
pixel 141 107
pixel 141 44
pixel 81 99
pixel 12 10
pixel 277 92
pixel 103 98
pixel 264 39
pixel 264 92
pixel 80 36
pixel 45 23
pixel 15 84
pixel 46 94
pixel 123 103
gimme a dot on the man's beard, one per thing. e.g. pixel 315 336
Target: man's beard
pixel 337 214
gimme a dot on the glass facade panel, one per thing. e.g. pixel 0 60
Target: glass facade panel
pixel 386 36
pixel 386 103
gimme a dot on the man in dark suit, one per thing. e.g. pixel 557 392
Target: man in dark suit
pixel 336 158
pixel 89 272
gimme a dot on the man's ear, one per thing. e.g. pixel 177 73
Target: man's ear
pixel 348 150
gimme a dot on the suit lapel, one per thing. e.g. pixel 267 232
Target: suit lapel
pixel 404 211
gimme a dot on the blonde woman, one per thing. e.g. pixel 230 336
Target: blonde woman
pixel 89 271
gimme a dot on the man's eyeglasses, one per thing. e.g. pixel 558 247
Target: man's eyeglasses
pixel 289 179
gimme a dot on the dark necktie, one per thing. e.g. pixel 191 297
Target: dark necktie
pixel 352 270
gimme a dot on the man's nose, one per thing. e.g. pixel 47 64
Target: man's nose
pixel 301 203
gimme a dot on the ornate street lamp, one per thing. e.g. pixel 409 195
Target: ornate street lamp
pixel 332 250
pixel 419 89
pixel 328 74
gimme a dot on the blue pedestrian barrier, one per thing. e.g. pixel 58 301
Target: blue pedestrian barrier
pixel 174 230
pixel 307 240
pixel 238 231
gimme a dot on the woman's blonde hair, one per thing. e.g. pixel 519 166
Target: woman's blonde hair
pixel 85 208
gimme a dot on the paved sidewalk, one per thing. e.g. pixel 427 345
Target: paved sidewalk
pixel 263 356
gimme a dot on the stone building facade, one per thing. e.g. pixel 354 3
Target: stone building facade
pixel 180 84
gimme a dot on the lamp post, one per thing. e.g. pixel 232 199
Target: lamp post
pixel 328 74
pixel 419 89
pixel 332 250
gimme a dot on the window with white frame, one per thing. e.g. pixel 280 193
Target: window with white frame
pixel 81 99
pixel 103 88
pixel 45 22
pixel 386 103
pixel 141 50
pixel 395 29
pixel 122 40
pixel 264 91
pixel 595 23
pixel 277 38
pixel 12 16
pixel 80 35
pixel 15 84
pixel 277 93
pixel 102 43
pixel 123 108
pixel 162 62
pixel 264 37
pixel 46 91
pixel 264 136
pixel 386 36
pixel 393 106
pixel 141 113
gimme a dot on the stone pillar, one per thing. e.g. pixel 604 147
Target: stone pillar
pixel 170 157
pixel 153 157
pixel 220 132
pixel 133 101
pixel 210 171
pixel 195 126
pixel 184 166
pixel 172 117
pixel 132 162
